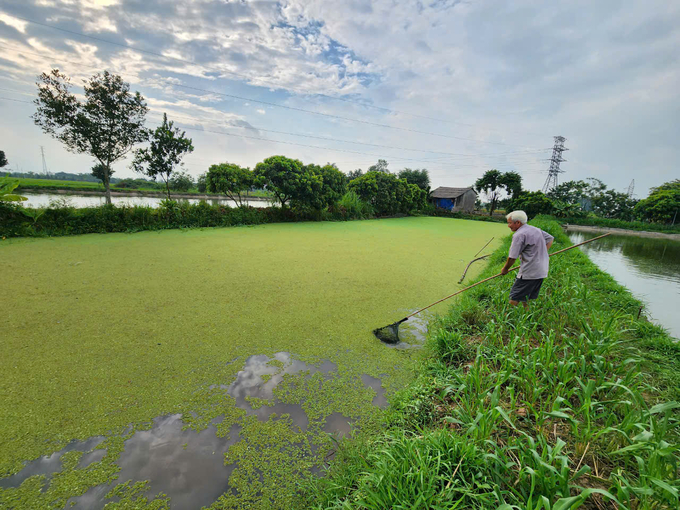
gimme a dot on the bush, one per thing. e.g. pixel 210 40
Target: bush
pixel 387 194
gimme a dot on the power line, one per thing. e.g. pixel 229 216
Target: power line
pixel 287 143
pixel 241 75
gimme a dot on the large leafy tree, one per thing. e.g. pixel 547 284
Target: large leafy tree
pixel 230 179
pixel 288 179
pixel 662 204
pixel 612 204
pixel 490 184
pixel 333 187
pixel 3 159
pixel 533 203
pixel 167 148
pixel 569 192
pixel 388 194
pixel 420 178
pixel 106 124
pixel 512 182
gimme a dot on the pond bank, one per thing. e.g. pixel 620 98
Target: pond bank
pixel 620 231
pixel 569 405
pixel 131 193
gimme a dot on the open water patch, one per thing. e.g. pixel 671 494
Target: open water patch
pixel 291 415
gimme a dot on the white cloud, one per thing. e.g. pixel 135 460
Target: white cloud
pixel 260 111
pixel 13 22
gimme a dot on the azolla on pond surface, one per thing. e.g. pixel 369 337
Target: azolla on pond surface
pixel 283 416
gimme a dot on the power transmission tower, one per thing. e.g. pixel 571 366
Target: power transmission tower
pixel 631 189
pixel 42 153
pixel 555 161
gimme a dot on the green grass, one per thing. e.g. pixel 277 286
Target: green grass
pixel 573 404
pixel 103 331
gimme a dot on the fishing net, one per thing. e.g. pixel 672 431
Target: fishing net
pixel 388 334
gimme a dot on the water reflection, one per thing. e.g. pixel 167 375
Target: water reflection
pixel 649 267
pixel 80 201
pixel 187 465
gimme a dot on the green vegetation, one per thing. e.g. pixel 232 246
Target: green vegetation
pixel 593 220
pixel 119 329
pixel 387 194
pixel 573 404
pixel 167 147
pixel 493 182
pixel 106 124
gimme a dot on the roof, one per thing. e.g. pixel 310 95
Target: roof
pixel 443 192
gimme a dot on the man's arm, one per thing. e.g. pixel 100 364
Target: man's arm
pixel 507 266
pixel 549 244
pixel 548 239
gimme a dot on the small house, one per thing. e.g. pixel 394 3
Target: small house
pixel 454 199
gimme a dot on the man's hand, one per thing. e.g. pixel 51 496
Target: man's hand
pixel 507 266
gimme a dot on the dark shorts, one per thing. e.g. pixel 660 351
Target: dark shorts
pixel 525 289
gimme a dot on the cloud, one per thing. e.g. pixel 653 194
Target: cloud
pixel 260 111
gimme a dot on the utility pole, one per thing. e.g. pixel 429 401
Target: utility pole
pixel 631 189
pixel 42 153
pixel 555 161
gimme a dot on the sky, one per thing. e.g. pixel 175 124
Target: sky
pixel 456 87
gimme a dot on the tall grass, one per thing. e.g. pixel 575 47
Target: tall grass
pixel 555 408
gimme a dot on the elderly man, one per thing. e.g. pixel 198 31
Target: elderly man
pixel 530 245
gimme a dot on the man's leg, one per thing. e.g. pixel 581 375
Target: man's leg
pixel 525 304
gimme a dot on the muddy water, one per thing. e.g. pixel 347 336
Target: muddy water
pixel 189 466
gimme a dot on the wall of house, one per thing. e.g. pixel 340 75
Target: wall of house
pixel 465 202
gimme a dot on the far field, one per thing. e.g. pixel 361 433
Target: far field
pixel 103 331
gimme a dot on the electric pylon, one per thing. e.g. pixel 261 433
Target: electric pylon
pixel 555 161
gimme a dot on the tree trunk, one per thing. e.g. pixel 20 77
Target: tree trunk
pixel 167 187
pixel 107 184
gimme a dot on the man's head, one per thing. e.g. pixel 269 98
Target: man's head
pixel 516 219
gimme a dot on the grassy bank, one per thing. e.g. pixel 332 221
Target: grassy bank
pixel 629 225
pixel 103 331
pixel 46 185
pixel 573 404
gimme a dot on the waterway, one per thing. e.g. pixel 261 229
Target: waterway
pixel 79 201
pixel 650 268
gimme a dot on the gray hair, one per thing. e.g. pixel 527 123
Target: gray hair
pixel 520 216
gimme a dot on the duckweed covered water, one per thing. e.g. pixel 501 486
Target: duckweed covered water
pixel 131 336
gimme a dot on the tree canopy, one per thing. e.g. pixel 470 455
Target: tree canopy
pixel 420 178
pixel 288 179
pixel 106 124
pixel 380 166
pixel 3 159
pixel 490 183
pixel 662 204
pixel 230 179
pixel 168 145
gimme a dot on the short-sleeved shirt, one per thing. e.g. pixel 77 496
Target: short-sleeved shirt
pixel 529 245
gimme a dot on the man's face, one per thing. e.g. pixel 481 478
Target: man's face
pixel 514 225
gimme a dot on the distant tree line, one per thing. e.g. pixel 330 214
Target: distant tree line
pixel 580 199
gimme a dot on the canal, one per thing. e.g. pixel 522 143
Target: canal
pixel 649 267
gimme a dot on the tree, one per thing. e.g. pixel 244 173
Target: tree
pixel 3 159
pixel 490 183
pixel 533 203
pixel 662 204
pixel 388 194
pixel 612 204
pixel 106 124
pixel 181 181
pixel 512 182
pixel 230 179
pixel 168 147
pixel 380 166
pixel 570 192
pixel 420 178
pixel 99 171
pixel 288 179
pixel 201 183
pixel 353 174
pixel 334 185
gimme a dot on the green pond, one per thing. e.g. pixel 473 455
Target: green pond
pixel 209 367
